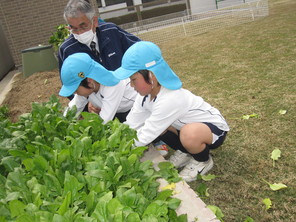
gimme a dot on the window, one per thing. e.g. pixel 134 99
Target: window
pixel 114 2
pixel 99 2
pixel 146 1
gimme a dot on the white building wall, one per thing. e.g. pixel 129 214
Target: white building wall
pixel 198 6
pixel 111 14
pixel 106 11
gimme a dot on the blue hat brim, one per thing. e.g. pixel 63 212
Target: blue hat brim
pixel 166 76
pixel 102 75
pixel 69 90
pixel 122 73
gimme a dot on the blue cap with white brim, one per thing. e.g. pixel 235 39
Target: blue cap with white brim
pixel 146 55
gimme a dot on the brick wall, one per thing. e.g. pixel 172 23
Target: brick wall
pixel 28 23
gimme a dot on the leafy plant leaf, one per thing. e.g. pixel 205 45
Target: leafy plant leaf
pixel 101 212
pixel 267 203
pixel 170 186
pixel 254 115
pixel 40 163
pixel 165 165
pixel 71 184
pixel 164 195
pixel 157 209
pixel 275 155
pixel 217 211
pixel 9 163
pixel 208 177
pixel 133 217
pixel 65 204
pixel 139 150
pixel 16 208
pixel 202 190
pixel 174 203
pixel 275 186
pixel 249 219
pixel 282 112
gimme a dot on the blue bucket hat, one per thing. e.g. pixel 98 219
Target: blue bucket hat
pixel 79 66
pixel 146 55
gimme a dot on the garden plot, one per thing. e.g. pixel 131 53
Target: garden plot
pixel 65 169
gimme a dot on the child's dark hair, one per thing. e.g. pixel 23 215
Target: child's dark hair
pixel 145 74
pixel 84 83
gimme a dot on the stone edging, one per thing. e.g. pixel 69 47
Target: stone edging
pixel 191 204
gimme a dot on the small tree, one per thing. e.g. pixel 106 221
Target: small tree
pixel 59 36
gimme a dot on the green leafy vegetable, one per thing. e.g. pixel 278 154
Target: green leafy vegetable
pixel 70 169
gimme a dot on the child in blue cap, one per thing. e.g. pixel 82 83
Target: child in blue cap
pixel 165 111
pixel 93 84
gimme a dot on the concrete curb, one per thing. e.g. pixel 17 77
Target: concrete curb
pixel 191 204
pixel 6 84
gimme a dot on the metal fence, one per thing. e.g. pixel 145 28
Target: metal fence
pixel 182 24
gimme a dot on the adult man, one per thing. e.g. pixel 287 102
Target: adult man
pixel 108 39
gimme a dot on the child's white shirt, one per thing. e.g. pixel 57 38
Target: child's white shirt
pixel 170 108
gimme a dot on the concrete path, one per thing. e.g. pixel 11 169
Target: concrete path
pixel 6 83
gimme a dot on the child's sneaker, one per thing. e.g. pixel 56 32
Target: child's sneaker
pixel 162 148
pixel 193 168
pixel 179 159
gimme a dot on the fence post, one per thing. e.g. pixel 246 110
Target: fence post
pixel 138 13
pixel 183 24
pixel 252 12
pixel 216 1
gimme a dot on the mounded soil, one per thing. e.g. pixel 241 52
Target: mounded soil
pixel 38 87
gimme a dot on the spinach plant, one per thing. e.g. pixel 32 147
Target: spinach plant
pixel 56 168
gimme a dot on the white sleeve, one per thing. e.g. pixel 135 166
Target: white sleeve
pixel 165 111
pixel 137 116
pixel 111 101
pixel 78 101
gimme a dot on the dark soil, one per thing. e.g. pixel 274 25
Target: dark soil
pixel 38 87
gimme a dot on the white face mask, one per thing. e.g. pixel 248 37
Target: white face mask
pixel 86 37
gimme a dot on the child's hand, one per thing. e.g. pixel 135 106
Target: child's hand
pixel 93 109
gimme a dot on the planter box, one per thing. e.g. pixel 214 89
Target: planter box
pixel 38 59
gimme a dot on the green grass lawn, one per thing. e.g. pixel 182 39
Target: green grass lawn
pixel 241 70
